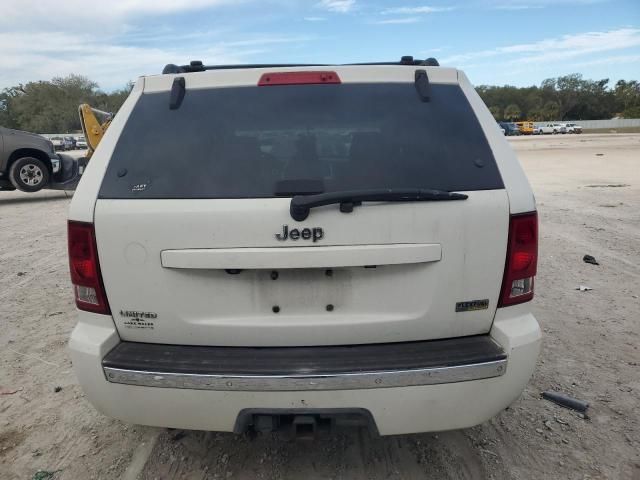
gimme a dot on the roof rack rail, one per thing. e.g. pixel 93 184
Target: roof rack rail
pixel 198 66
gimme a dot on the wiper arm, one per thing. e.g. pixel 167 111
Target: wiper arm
pixel 302 204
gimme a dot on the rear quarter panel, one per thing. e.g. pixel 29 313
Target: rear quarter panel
pixel 84 200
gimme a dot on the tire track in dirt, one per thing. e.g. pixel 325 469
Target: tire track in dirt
pixel 348 454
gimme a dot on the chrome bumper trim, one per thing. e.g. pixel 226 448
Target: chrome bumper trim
pixel 301 382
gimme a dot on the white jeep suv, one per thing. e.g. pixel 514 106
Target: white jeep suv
pixel 268 245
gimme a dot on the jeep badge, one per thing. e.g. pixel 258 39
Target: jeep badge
pixel 315 233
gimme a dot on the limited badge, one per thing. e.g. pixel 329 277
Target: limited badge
pixel 138 320
pixel 139 187
pixel 472 305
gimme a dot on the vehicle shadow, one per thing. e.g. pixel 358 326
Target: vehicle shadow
pixel 34 198
pixel 352 454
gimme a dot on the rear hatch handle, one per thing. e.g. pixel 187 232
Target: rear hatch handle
pixel 301 205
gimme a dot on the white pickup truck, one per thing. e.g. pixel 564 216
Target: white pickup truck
pixel 549 128
pixel 268 245
pixel 572 128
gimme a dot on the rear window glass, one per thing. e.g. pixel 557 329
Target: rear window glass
pixel 241 142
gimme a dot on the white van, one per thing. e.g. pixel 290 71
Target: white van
pixel 259 246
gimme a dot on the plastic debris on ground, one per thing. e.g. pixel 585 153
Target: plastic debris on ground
pixel 566 401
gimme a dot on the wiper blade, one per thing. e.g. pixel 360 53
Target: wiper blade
pixel 301 205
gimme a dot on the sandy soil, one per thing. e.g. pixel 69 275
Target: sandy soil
pixel 588 191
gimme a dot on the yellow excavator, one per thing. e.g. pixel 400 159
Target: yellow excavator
pixel 94 123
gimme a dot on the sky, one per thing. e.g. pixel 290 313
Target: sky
pixel 496 42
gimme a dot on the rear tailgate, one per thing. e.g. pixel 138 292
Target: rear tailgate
pixel 392 302
pixel 195 247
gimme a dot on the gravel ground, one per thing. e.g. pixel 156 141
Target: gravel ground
pixel 588 192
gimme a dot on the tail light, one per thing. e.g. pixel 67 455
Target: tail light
pixel 522 260
pixel 85 269
pixel 298 78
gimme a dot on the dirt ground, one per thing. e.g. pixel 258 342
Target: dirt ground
pixel 588 192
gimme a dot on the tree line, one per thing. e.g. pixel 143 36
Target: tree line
pixel 570 97
pixel 52 106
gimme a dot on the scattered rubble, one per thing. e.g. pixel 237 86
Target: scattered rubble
pixel 590 259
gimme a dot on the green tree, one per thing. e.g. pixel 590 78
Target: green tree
pixel 627 98
pixel 111 102
pixel 632 112
pixel 569 97
pixel 512 112
pixel 550 111
pixel 7 115
pixel 564 91
pixel 49 107
pixel 52 106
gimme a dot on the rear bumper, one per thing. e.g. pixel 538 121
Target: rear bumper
pixel 305 368
pixel 411 393
pixel 69 173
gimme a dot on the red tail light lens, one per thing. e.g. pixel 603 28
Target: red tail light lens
pixel 298 78
pixel 85 269
pixel 522 260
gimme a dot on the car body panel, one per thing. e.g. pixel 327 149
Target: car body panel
pixel 81 143
pixel 510 129
pixel 572 128
pixel 169 276
pixel 397 410
pixel 393 302
pixel 526 128
pixel 13 140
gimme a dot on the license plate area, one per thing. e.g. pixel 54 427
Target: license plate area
pixel 308 290
pixel 304 296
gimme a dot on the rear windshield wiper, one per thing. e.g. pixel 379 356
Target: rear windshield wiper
pixel 302 204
